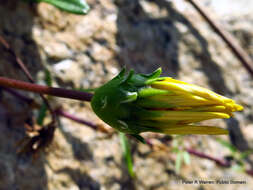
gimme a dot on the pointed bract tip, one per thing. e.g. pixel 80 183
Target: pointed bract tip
pixel 156 73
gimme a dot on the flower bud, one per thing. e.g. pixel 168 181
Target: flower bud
pixel 136 103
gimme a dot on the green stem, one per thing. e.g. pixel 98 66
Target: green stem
pixel 127 154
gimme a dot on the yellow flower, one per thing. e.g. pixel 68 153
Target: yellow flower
pixel 138 103
pixel 183 104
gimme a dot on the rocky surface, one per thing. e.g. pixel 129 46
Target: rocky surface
pixel 86 51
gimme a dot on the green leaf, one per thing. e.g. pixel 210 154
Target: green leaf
pixel 42 114
pixel 226 144
pixel 43 108
pixel 127 153
pixel 48 78
pixel 186 157
pixel 178 161
pixel 72 6
pixel 245 154
pixel 238 168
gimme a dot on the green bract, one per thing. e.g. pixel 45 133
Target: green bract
pixel 114 101
pixel 136 103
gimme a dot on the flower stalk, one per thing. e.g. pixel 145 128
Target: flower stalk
pixel 60 92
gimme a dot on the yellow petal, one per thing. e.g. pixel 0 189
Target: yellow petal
pixel 184 116
pixel 189 88
pixel 194 129
pixel 178 100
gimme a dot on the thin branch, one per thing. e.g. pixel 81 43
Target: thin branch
pixel 60 92
pixel 227 37
pixel 218 161
pixel 27 73
pixel 17 59
pixel 18 95
pixel 76 119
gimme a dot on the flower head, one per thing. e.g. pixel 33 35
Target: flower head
pixel 136 103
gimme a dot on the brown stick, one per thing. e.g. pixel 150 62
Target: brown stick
pixel 60 92
pixel 227 37
pixel 27 73
pixel 17 59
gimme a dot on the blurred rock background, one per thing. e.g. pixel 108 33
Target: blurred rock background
pixel 86 51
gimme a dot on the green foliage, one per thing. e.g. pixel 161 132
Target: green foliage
pixel 48 78
pixel 127 153
pixel 183 157
pixel 226 144
pixel 72 6
pixel 178 161
pixel 236 155
pixel 42 114
pixel 43 108
pixel 187 159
